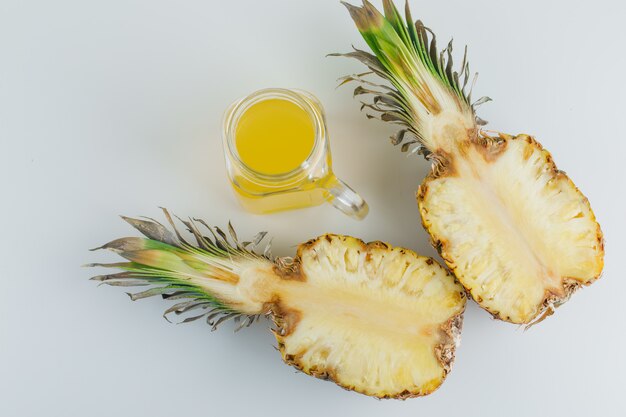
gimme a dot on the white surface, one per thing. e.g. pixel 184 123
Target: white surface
pixel 114 107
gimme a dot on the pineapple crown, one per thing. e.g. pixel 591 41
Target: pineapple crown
pixel 176 269
pixel 423 81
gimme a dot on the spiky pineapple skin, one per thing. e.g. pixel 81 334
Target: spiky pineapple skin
pixel 386 361
pixel 555 222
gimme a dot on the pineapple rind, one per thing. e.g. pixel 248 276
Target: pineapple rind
pixel 378 320
pixel 514 229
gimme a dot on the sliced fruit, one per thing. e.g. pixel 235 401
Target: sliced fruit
pixel 372 318
pixel 514 229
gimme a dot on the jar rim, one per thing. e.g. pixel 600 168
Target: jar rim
pixel 304 100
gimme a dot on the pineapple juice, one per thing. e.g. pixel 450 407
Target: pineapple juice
pixel 275 137
pixel 278 157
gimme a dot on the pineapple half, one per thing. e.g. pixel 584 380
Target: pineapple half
pixel 512 227
pixel 372 318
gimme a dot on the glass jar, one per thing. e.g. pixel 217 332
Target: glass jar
pixel 310 184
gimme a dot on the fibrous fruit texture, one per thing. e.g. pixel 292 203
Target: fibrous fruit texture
pixel 372 318
pixel 513 228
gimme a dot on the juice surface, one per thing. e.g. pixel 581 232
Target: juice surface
pixel 274 136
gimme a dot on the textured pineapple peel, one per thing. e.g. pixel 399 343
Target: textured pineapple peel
pixel 372 318
pixel 514 229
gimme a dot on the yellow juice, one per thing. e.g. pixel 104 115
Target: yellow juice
pixel 274 137
pixel 258 199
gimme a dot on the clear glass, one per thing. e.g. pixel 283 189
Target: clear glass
pixel 311 184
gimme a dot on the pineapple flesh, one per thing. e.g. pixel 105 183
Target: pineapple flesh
pixel 372 318
pixel 514 229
